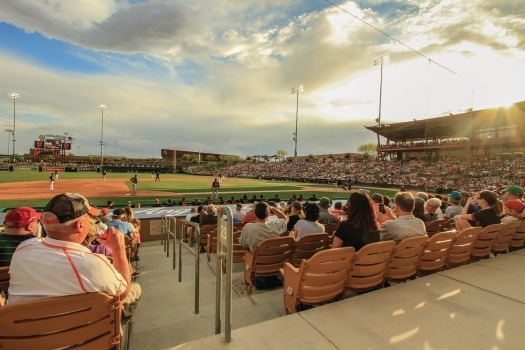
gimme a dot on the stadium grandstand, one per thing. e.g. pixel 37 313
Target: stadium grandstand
pixel 485 132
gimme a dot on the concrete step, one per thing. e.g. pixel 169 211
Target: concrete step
pixel 165 315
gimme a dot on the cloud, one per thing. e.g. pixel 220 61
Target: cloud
pixel 216 75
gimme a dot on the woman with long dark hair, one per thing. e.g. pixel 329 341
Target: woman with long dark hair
pixel 360 227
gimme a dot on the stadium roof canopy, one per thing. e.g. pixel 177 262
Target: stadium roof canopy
pixel 454 125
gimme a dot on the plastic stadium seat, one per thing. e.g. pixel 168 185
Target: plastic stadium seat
pixel 436 251
pixel 86 321
pixel 435 226
pixel 318 279
pixel 307 246
pixel 266 259
pixel 484 242
pixel 405 258
pixel 369 266
pixel 459 253
pixel 518 238
pixel 502 240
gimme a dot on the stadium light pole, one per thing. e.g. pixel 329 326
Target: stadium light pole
pixel 296 90
pixel 102 108
pixel 14 96
pixel 381 60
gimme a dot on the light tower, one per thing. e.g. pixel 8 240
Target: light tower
pixel 14 96
pixel 296 90
pixel 102 108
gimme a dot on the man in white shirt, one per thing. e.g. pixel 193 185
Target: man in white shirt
pixel 238 214
pixel 256 232
pixel 60 265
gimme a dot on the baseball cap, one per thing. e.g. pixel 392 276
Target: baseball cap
pixel 515 204
pixel 454 195
pixel 364 191
pixel 377 197
pixel 21 217
pixel 515 190
pixel 105 210
pixel 67 207
pixel 324 203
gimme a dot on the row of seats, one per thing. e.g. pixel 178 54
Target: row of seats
pixel 328 273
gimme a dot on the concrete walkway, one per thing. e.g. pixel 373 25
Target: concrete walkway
pixel 478 306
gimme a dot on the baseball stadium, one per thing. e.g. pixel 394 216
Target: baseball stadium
pixel 465 153
pixel 276 174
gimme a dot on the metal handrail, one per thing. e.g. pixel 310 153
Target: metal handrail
pixel 195 252
pixel 224 240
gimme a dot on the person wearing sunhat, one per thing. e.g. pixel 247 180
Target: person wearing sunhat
pixel 454 207
pixel 59 265
pixel 20 224
pixel 512 208
pixel 513 192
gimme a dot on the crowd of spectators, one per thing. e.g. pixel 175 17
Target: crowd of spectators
pixel 446 174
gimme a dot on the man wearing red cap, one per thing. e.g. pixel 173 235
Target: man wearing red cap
pixel 20 224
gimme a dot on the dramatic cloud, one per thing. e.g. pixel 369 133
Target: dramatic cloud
pixel 217 75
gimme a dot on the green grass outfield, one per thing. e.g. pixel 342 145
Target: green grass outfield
pixel 188 186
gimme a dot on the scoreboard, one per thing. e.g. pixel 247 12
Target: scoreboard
pixel 53 146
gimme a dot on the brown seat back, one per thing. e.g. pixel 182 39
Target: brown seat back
pixel 485 240
pixel 368 266
pixel 518 238
pixel 205 230
pixel 436 251
pixel 459 253
pixel 502 240
pixel 449 225
pixel 211 243
pixel 307 246
pixel 319 279
pixel 238 250
pixel 405 257
pixel 87 321
pixel 267 258
pixel 435 226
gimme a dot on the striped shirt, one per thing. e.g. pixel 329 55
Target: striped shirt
pixel 8 245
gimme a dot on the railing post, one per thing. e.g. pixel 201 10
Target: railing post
pixel 224 252
pixel 195 252
pixel 168 233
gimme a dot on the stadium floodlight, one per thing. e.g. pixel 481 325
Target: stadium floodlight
pixel 381 60
pixel 296 90
pixel 102 108
pixel 14 96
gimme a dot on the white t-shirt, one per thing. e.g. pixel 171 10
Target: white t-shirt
pixel 45 267
pixel 304 227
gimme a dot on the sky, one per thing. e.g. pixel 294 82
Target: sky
pixel 216 76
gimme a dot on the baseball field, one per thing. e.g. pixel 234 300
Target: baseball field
pixel 31 188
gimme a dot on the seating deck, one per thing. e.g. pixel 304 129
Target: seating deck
pixel 480 305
